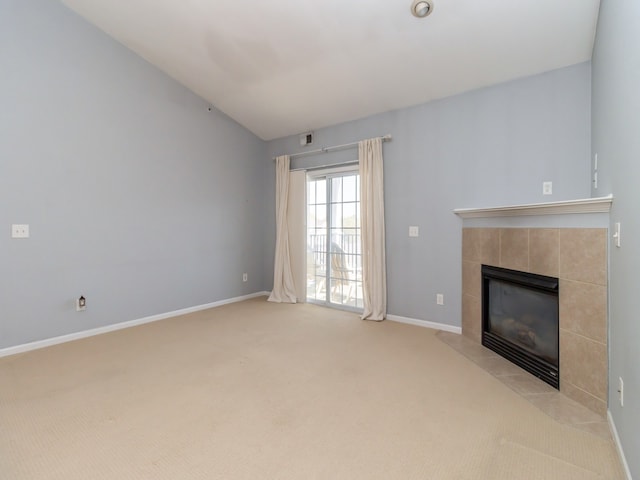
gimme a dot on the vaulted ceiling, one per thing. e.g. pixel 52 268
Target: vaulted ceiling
pixel 281 67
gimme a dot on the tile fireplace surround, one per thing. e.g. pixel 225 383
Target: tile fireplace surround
pixel 578 257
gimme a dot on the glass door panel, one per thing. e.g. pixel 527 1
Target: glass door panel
pixel 334 266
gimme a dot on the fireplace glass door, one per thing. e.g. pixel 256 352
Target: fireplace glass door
pixel 525 317
pixel 520 320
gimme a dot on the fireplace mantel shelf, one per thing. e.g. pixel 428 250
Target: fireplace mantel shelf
pixel 584 205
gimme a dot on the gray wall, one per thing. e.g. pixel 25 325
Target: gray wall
pixel 137 197
pixel 616 139
pixel 488 147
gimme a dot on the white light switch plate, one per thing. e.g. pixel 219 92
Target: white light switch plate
pixel 414 231
pixel 19 231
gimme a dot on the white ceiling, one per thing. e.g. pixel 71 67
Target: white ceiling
pixel 281 67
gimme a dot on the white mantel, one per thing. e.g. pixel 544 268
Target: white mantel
pixel 585 205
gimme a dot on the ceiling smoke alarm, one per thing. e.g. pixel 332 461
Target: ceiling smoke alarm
pixel 421 8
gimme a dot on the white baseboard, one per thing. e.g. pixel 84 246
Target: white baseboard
pixel 616 440
pixel 425 323
pixel 4 352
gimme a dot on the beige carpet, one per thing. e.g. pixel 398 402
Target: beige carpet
pixel 256 390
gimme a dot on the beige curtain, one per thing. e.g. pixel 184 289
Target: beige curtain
pixel 374 275
pixel 296 215
pixel 283 284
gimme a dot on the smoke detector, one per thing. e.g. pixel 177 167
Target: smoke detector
pixel 421 8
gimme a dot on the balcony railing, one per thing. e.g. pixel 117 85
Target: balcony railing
pixel 340 263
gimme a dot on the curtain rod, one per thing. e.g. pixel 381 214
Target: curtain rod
pixel 328 165
pixel 385 138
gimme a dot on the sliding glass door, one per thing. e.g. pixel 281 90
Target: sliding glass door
pixel 334 266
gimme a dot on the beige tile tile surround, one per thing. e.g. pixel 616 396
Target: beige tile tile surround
pixel 514 248
pixel 577 256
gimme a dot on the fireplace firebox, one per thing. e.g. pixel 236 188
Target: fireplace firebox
pixel 520 320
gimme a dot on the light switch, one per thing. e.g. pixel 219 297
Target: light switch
pixel 414 231
pixel 616 234
pixel 19 231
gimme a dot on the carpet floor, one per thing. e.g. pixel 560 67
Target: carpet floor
pixel 256 390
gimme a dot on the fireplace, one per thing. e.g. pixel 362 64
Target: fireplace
pixel 578 258
pixel 520 320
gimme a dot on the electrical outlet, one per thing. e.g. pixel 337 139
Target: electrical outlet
pixel 547 188
pixel 621 391
pixel 81 304
pixel 414 231
pixel 440 299
pixel 19 231
pixel 245 277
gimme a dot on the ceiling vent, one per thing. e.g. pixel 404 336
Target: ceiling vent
pixel 306 139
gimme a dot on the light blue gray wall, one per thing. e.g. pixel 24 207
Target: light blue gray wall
pixel 616 139
pixel 488 147
pixel 137 196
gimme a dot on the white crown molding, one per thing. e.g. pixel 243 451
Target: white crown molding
pixel 585 205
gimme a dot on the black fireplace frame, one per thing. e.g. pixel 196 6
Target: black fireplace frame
pixel 535 365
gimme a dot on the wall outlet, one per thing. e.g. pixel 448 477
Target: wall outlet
pixel 19 231
pixel 414 231
pixel 439 298
pixel 547 188
pixel 621 391
pixel 81 304
pixel 245 277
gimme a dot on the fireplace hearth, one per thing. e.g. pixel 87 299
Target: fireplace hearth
pixel 520 320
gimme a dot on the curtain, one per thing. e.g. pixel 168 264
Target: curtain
pixel 374 275
pixel 296 221
pixel 283 284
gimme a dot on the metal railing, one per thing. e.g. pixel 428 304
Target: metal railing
pixel 347 245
